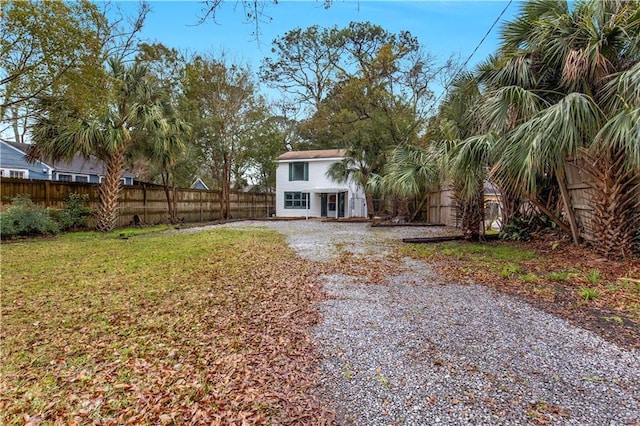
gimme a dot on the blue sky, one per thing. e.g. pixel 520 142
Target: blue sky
pixel 442 27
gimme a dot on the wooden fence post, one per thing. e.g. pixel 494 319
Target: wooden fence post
pixel 47 193
pixel 144 203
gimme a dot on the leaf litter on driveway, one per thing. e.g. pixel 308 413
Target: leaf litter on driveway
pixel 401 345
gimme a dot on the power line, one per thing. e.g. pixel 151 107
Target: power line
pixel 446 87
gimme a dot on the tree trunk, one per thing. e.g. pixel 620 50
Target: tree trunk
pixel 174 202
pixel 109 191
pixel 568 206
pixel 369 200
pixel 14 123
pixel 419 208
pixel 225 188
pixel 473 215
pixel 555 219
pixel 614 199
pixel 168 195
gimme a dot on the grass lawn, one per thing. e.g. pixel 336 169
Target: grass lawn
pixel 158 328
pixel 557 276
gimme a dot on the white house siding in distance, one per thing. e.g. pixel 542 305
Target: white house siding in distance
pixel 304 190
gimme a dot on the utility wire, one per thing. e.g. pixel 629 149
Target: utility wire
pixel 446 87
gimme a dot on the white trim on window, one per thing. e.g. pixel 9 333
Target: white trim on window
pixel 73 177
pixel 296 200
pixel 15 173
pixel 123 180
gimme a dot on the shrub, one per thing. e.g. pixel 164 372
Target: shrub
pixel 76 213
pixel 517 229
pixel 25 218
pixel 7 229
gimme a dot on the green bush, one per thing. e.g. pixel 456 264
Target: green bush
pixel 7 229
pixel 75 214
pixel 25 218
pixel 517 229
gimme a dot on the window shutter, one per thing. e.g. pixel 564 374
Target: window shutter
pixel 290 172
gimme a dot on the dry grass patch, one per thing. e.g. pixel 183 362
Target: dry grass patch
pixel 209 327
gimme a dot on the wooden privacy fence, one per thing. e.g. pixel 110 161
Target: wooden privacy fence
pixel 147 201
pixel 440 207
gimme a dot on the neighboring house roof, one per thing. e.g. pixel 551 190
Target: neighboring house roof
pixel 313 154
pixel 22 149
pixel 199 184
pixel 490 188
pixel 78 165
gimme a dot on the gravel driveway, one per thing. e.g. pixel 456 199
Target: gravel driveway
pixel 416 351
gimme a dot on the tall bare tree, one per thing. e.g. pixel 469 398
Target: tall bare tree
pixel 224 113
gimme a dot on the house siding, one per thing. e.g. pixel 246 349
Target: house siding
pixel 12 159
pixel 354 199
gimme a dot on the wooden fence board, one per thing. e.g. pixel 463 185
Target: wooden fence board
pixel 148 202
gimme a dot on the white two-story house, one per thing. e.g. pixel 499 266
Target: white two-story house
pixel 303 188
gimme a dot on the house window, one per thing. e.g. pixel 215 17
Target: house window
pixel 296 200
pixel 14 173
pixel 298 171
pixel 332 202
pixel 84 179
pixel 65 178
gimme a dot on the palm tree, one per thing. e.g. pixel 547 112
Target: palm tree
pixel 466 146
pixel 163 148
pixel 133 109
pixel 455 152
pixel 411 172
pixel 361 167
pixel 577 64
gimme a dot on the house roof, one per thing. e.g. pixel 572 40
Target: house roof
pixel 199 184
pixel 79 164
pixel 490 188
pixel 313 154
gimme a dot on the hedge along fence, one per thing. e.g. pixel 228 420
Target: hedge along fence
pixel 147 201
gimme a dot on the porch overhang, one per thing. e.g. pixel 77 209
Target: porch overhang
pixel 328 190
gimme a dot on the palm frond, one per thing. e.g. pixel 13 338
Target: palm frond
pixel 471 162
pixel 621 134
pixel 411 170
pixel 623 89
pixel 509 106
